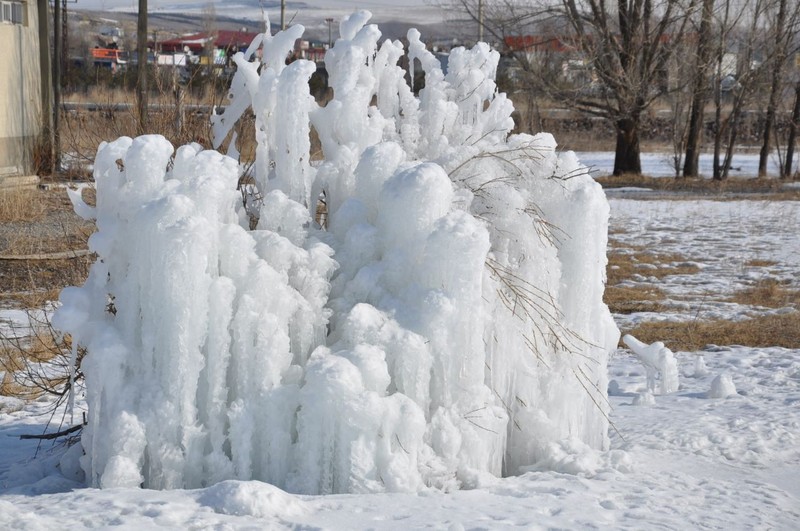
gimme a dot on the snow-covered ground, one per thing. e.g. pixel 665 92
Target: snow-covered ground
pixel 727 240
pixel 662 164
pixel 685 461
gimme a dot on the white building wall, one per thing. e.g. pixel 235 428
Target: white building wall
pixel 20 91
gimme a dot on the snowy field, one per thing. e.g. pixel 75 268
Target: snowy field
pixel 662 164
pixel 723 239
pixel 685 461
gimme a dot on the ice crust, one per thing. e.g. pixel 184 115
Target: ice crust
pixel 446 323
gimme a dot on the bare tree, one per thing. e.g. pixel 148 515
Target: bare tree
pixel 750 30
pixel 624 45
pixel 794 125
pixel 699 91
pixel 680 99
pixel 783 30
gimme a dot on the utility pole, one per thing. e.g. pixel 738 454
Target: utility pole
pixel 283 15
pixel 141 78
pixel 330 36
pixel 480 20
pixel 58 45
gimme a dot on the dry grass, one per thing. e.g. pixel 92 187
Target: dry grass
pixel 764 331
pixel 773 330
pixel 637 261
pixel 37 364
pixel 84 130
pixel 730 189
pixel 22 358
pixel 757 262
pixel 768 293
pixel 20 204
pixel 634 299
pixel 32 283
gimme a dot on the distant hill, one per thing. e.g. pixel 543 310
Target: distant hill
pixel 394 18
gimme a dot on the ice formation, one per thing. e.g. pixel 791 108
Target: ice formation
pixel 700 368
pixel 658 360
pixel 446 321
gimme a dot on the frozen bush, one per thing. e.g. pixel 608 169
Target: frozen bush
pixel 448 324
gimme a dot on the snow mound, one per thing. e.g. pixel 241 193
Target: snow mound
pixel 644 399
pixel 722 386
pixel 571 456
pixel 251 498
pixel 442 322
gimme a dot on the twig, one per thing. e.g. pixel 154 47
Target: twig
pixel 55 435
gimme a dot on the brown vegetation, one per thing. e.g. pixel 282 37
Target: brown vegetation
pixel 20 204
pixel 21 360
pixel 730 189
pixel 764 331
pixel 767 330
pixel 30 284
pixel 768 293
pixel 625 263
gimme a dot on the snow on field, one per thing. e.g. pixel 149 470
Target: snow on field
pixel 687 461
pixel 662 165
pixel 732 242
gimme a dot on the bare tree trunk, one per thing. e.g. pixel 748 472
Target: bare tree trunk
pixel 627 159
pixel 141 79
pixel 793 127
pixel 699 93
pixel 717 170
pixel 775 88
pixel 719 127
pixel 732 129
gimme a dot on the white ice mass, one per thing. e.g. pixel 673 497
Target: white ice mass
pixel 445 324
pixel 659 362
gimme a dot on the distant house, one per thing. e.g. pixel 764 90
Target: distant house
pixel 220 45
pixel 112 58
pixel 21 101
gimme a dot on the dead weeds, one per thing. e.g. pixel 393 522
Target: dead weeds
pixel 625 263
pixel 758 262
pixel 623 299
pixel 22 359
pixel 20 204
pixel 764 331
pixel 727 190
pixel 768 293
